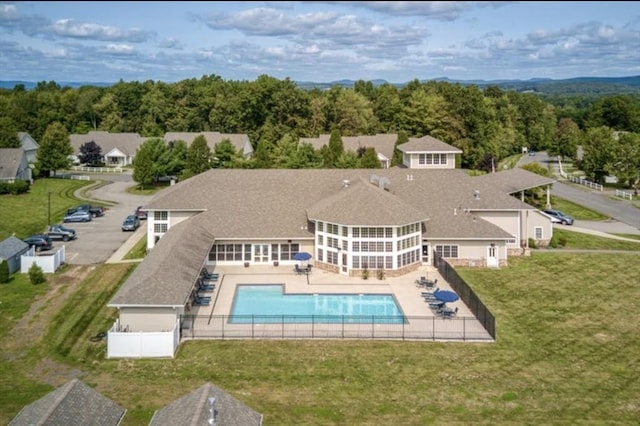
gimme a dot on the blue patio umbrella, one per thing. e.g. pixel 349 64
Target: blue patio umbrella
pixel 303 255
pixel 446 296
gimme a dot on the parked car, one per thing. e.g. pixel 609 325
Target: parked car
pixel 552 218
pixel 564 218
pixel 141 214
pixel 131 223
pixel 95 211
pixel 78 216
pixel 40 242
pixel 61 232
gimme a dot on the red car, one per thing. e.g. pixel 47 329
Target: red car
pixel 141 214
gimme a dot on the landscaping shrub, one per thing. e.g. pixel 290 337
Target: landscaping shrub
pixel 4 272
pixel 36 275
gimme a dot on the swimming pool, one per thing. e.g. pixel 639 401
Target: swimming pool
pixel 269 304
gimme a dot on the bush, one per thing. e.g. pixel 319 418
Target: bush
pixel 380 274
pixel 554 241
pixel 36 275
pixel 532 243
pixel 15 188
pixel 562 241
pixel 4 271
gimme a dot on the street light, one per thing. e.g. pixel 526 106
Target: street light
pixel 49 209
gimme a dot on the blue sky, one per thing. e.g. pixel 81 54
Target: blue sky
pixel 317 41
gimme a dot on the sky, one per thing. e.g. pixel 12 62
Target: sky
pixel 399 41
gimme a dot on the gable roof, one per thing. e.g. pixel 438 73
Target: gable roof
pixel 28 143
pixel 170 285
pixel 363 203
pixel 11 162
pixel 383 143
pixel 427 144
pixel 195 409
pixel 72 404
pixel 127 143
pixel 239 140
pixel 12 246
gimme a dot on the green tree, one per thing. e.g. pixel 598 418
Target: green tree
pixel 567 138
pixel 4 271
pixel 55 149
pixel 397 154
pixel 369 159
pixel 36 274
pixel 152 160
pixel 335 148
pixel 599 146
pixel 198 156
pixel 8 134
pixel 225 155
pixel 626 162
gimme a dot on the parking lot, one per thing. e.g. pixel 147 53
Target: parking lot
pixel 99 239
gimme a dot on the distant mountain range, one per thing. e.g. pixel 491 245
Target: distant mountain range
pixel 578 85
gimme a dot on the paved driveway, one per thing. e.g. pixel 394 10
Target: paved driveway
pixel 99 239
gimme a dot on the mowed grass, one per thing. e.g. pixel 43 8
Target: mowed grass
pixel 577 211
pixel 27 214
pixel 581 241
pixel 566 353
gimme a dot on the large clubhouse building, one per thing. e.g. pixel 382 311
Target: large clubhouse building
pixel 351 221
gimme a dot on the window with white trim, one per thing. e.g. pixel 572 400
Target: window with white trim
pixel 447 251
pixel 538 232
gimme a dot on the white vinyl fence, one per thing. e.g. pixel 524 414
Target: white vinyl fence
pixel 142 344
pixel 48 262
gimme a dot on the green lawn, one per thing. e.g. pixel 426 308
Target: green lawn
pixel 577 211
pixel 566 353
pixel 26 214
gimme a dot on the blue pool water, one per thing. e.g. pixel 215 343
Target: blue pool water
pixel 268 304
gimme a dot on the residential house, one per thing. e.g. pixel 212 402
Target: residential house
pixel 73 404
pixel 14 165
pixel 10 251
pixel 351 220
pixel 118 149
pixel 239 140
pixel 383 144
pixel 428 153
pixel 30 146
pixel 207 405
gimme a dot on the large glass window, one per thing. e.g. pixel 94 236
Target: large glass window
pixel 447 251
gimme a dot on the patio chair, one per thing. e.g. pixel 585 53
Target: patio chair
pixel 297 270
pixel 450 313
pixel 210 275
pixel 207 288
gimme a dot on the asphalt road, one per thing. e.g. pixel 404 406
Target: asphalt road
pixel 600 201
pixel 99 239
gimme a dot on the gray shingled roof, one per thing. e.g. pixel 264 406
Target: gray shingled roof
pixel 383 143
pixel 239 140
pixel 270 203
pixel 427 143
pixel 515 180
pixel 12 246
pixel 194 409
pixel 127 143
pixel 72 404
pixel 10 161
pixel 362 203
pixel 28 143
pixel 168 274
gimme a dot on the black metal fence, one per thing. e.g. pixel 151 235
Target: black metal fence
pixel 332 327
pixel 473 302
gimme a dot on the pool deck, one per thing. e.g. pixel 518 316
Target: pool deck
pixel 404 288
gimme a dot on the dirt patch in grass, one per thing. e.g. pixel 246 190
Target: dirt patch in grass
pixel 30 330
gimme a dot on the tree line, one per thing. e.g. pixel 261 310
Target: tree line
pixel 486 124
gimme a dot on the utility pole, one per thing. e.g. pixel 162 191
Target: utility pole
pixel 49 209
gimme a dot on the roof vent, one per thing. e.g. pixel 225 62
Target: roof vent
pixel 476 194
pixel 384 182
pixel 345 183
pixel 374 178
